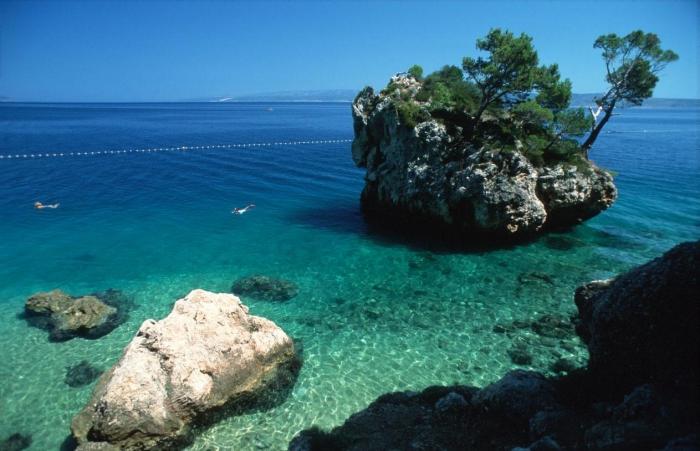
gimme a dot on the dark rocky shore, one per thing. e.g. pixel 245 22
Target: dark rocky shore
pixel 426 176
pixel 638 392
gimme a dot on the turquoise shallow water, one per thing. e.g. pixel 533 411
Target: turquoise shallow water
pixel 375 313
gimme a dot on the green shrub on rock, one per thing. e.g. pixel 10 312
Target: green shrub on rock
pixel 504 99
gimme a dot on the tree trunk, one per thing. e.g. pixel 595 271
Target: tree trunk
pixel 596 131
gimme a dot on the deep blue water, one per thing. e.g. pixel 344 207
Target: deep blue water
pixel 375 314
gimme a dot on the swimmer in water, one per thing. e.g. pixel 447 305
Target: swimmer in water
pixel 240 211
pixel 39 205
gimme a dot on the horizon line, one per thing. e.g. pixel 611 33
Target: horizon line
pixel 244 101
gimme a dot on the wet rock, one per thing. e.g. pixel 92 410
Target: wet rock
pixel 556 424
pixel 81 374
pixel 631 319
pixel 208 358
pixel 401 420
pixel 544 444
pixel 641 421
pixel 546 326
pixel 520 355
pixel 572 195
pixel 521 324
pixel 553 326
pixel 16 442
pixel 451 401
pixel 425 175
pixel 265 288
pixel 563 366
pixel 687 443
pixel 519 394
pixel 643 325
pixel 500 329
pixel 67 316
pixel 535 277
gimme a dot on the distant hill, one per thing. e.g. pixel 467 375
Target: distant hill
pixel 583 100
pixel 348 95
pixel 319 95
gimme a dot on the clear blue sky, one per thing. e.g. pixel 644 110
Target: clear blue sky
pixel 140 51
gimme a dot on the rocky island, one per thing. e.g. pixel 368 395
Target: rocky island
pixel 425 172
pixel 494 147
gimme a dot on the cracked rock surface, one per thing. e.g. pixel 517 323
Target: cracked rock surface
pixel 207 355
pixel 426 173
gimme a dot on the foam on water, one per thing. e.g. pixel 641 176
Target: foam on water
pixel 374 313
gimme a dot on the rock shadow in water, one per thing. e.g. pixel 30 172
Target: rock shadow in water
pixel 347 218
pixel 81 374
pixel 265 288
pixel 274 394
pixel 16 442
pixel 560 242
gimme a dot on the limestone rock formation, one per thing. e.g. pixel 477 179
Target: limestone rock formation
pixel 427 174
pixel 66 316
pixel 207 358
pixel 640 391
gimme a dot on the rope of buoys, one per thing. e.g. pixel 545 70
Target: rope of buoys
pixel 17 156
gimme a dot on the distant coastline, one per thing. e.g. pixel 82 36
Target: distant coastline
pixel 583 100
pixel 348 95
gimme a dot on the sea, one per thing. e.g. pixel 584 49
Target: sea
pixel 377 310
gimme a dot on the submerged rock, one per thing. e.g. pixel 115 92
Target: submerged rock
pixel 426 175
pixel 16 442
pixel 81 374
pixel 553 326
pixel 520 355
pixel 632 396
pixel 547 325
pixel 67 316
pixel 563 366
pixel 207 358
pixel 265 288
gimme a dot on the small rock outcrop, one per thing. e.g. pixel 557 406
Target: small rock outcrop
pixel 640 391
pixel 66 316
pixel 425 173
pixel 265 288
pixel 207 358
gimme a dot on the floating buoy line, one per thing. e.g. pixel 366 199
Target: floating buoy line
pixel 26 156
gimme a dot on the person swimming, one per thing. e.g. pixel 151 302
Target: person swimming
pixel 240 211
pixel 39 205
